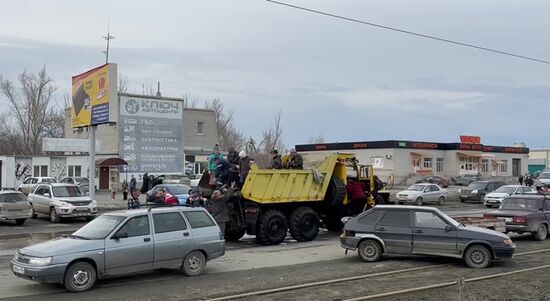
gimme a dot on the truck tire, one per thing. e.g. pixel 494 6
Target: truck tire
pixel 234 233
pixel 304 224
pixel 272 227
pixel 336 192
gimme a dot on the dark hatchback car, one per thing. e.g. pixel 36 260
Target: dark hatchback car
pixel 476 191
pixel 525 214
pixel 441 181
pixel 422 230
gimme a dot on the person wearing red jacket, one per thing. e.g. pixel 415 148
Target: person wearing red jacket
pixel 357 196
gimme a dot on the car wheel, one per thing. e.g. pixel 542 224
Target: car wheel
pixel 194 264
pixel 482 198
pixel 541 233
pixel 54 217
pixel 477 257
pixel 419 202
pixel 33 214
pixel 79 277
pixel 369 250
pixel 441 200
pixel 20 221
pixel 400 203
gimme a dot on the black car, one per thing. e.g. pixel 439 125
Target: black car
pixel 441 181
pixel 476 191
pixel 422 230
pixel 525 214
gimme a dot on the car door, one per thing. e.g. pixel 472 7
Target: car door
pixel 40 201
pixel 428 194
pixel 432 235
pixel 172 239
pixel 435 192
pixel 133 251
pixel 394 228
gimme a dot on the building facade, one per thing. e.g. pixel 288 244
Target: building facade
pixel 539 160
pixel 408 160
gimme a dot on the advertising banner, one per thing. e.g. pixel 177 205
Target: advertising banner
pixel 93 92
pixel 151 134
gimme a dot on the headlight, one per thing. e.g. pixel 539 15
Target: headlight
pixel 474 191
pixel 93 203
pixel 40 260
pixel 16 256
pixel 508 242
pixel 65 204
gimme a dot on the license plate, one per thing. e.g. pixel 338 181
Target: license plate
pixel 18 270
pixel 508 219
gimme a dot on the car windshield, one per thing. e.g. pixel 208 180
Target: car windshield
pixel 12 198
pixel 521 204
pixel 544 175
pixel 67 191
pixel 477 185
pixel 416 187
pixel 178 189
pixel 48 180
pixel 100 227
pixel 504 189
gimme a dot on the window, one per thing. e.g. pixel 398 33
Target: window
pixel 434 188
pixel 40 170
pixel 168 222
pixel 396 219
pixel 504 166
pixel 439 165
pixel 371 218
pixel 485 165
pixel 75 171
pixel 136 226
pixel 427 163
pixel 416 162
pixel 199 219
pixel 428 220
pixel 200 128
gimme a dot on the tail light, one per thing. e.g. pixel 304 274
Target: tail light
pixel 520 219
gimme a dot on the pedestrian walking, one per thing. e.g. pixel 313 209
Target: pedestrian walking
pixel 276 161
pixel 125 190
pixel 520 179
pixel 113 187
pixel 133 185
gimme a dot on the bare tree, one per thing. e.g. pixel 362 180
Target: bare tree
pixel 190 101
pixel 123 84
pixel 29 106
pixel 272 139
pixel 229 135
pixel 317 139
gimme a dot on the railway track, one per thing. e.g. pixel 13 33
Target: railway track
pixel 302 286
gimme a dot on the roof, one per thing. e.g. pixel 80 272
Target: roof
pixel 134 212
pixel 409 207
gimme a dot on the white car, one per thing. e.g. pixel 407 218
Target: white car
pixel 496 197
pixel 422 192
pixel 544 178
pixel 30 183
pixel 60 201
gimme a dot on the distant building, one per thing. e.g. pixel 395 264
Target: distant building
pixel 408 160
pixel 539 159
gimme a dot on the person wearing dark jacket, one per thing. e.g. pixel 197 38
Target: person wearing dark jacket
pixel 217 206
pixel 244 167
pixel 145 183
pixel 276 161
pixel 233 159
pixel 295 160
pixel 224 171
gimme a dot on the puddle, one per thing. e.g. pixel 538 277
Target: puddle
pixel 23 240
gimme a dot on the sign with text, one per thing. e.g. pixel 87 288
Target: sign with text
pixel 92 93
pixel 470 139
pixel 151 134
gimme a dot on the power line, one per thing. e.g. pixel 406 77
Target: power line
pixel 409 32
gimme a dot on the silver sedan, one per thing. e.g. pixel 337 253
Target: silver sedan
pixel 423 192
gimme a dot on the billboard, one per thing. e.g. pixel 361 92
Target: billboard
pixel 151 134
pixel 93 91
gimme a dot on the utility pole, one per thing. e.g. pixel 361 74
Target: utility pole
pixel 108 38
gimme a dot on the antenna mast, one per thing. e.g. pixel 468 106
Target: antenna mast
pixel 108 38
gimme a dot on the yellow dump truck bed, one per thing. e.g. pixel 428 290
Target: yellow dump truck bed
pixel 291 185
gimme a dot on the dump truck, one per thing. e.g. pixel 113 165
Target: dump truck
pixel 273 202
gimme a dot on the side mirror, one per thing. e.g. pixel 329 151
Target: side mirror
pixel 47 195
pixel 119 235
pixel 448 228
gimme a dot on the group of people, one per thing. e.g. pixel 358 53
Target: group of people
pixel 226 171
pixel 531 181
pixel 292 161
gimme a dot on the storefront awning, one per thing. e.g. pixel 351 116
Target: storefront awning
pixel 110 162
pixel 470 154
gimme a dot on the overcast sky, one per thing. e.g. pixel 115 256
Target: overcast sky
pixel 341 80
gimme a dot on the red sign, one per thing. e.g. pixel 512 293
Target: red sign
pixel 424 145
pixel 470 139
pixel 474 147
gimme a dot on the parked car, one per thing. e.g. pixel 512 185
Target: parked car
pixel 529 213
pixel 172 179
pixel 496 197
pixel 179 191
pixel 465 180
pixel 423 192
pixel 544 178
pixel 30 183
pixel 476 191
pixel 422 230
pixel 60 200
pixel 441 181
pixel 122 243
pixel 81 182
pixel 14 206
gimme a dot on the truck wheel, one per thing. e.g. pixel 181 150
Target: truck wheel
pixel 54 217
pixel 541 233
pixel 336 192
pixel 304 224
pixel 234 234
pixel 477 257
pixel 272 227
pixel 79 277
